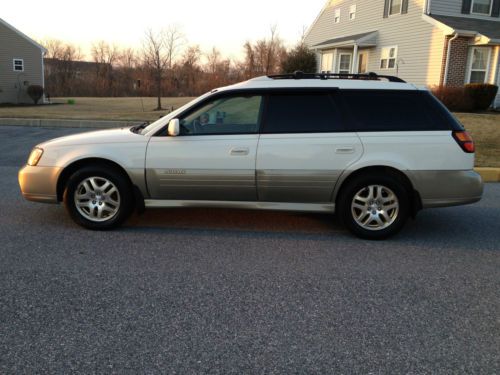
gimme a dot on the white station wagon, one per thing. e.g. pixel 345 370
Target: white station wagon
pixel 372 148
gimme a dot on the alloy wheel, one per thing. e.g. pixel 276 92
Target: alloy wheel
pixel 97 199
pixel 375 207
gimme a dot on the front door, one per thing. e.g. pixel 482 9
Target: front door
pixel 213 158
pixel 362 62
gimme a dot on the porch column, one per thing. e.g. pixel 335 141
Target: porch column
pixel 354 68
pixel 334 67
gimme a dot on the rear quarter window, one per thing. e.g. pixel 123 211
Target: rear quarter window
pixel 395 110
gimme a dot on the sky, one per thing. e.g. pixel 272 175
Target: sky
pixel 226 24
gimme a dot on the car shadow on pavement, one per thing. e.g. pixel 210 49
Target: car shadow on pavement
pixel 469 227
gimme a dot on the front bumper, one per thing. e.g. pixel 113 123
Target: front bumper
pixel 39 184
pixel 448 188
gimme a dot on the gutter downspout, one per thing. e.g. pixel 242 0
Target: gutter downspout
pixel 448 53
pixel 428 10
pixel 44 98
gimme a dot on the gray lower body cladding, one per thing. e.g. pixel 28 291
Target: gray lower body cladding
pixel 447 188
pixel 436 188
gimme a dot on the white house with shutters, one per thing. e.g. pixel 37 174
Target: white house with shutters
pixel 426 42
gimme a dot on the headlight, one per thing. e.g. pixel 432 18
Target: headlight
pixel 35 156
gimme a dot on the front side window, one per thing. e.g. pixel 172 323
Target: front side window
pixel 336 18
pixel 301 113
pixel 481 7
pixel 395 7
pixel 345 63
pixel 226 115
pixel 479 65
pixel 18 65
pixel 388 57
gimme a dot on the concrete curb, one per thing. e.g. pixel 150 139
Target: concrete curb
pixel 59 123
pixel 489 174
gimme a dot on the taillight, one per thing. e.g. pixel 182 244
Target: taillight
pixel 465 141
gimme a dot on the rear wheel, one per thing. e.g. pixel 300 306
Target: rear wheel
pixel 374 207
pixel 98 198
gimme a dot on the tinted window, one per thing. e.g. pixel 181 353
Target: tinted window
pixel 226 115
pixel 390 110
pixel 301 113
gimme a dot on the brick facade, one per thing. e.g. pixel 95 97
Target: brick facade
pixel 457 67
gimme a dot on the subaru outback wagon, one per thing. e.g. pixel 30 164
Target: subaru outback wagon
pixel 373 149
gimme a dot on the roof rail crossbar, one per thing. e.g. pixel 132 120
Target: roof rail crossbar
pixel 366 76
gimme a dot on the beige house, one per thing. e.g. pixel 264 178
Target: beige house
pixel 426 42
pixel 21 64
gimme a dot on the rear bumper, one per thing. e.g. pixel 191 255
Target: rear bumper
pixel 447 188
pixel 39 184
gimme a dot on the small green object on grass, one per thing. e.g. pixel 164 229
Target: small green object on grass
pixel 71 101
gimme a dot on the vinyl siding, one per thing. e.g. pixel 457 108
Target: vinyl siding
pixel 420 45
pixel 454 8
pixel 12 45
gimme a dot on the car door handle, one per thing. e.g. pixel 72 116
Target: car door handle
pixel 344 150
pixel 240 151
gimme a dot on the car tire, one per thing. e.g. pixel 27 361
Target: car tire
pixel 98 198
pixel 374 207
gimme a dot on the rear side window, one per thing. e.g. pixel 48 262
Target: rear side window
pixel 301 113
pixel 393 110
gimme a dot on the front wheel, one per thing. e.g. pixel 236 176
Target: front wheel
pixel 98 198
pixel 374 207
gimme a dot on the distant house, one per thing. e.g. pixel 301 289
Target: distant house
pixel 21 64
pixel 426 42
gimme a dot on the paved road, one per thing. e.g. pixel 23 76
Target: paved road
pixel 219 291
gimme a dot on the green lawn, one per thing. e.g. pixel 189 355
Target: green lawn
pixel 96 109
pixel 484 128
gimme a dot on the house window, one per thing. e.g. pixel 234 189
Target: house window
pixel 352 12
pixel 345 63
pixel 18 65
pixel 481 7
pixel 395 7
pixel 336 18
pixel 479 64
pixel 388 57
pixel 326 62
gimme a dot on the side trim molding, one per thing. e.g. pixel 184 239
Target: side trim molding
pixel 272 206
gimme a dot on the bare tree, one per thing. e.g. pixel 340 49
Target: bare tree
pixel 54 48
pixel 192 56
pixel 174 39
pixel 61 72
pixel 159 52
pixel 104 56
pixel 127 59
pixel 213 60
pixel 265 55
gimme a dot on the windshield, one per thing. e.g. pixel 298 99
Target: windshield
pixel 165 120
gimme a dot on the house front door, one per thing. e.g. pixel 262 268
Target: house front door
pixel 362 62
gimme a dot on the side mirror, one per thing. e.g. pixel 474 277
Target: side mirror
pixel 174 127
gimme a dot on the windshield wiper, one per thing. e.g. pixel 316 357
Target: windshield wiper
pixel 138 128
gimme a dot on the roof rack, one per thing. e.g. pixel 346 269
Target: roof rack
pixel 368 76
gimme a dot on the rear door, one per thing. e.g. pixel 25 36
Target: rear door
pixel 213 158
pixel 303 147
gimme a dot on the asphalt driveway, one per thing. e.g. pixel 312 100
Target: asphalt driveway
pixel 227 291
